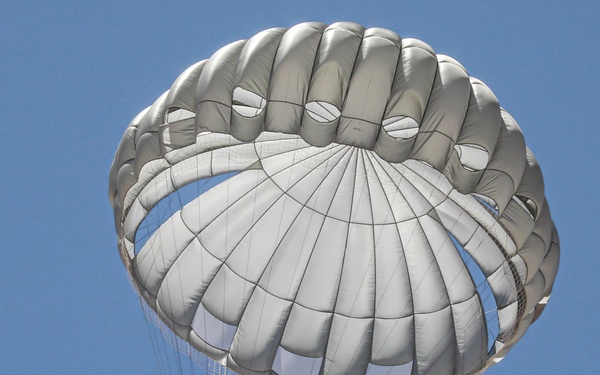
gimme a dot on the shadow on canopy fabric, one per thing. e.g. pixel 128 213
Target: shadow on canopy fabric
pixel 335 200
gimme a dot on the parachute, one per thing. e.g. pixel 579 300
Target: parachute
pixel 334 200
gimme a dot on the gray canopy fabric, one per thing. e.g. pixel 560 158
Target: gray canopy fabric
pixel 354 204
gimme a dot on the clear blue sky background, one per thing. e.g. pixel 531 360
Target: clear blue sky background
pixel 74 73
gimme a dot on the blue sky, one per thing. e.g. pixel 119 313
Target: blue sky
pixel 74 73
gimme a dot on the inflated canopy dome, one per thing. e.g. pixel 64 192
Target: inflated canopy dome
pixel 335 200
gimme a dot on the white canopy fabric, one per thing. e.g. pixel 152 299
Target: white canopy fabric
pixel 335 200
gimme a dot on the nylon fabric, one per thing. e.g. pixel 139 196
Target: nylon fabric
pixel 359 205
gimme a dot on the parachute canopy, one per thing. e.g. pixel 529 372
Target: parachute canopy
pixel 335 200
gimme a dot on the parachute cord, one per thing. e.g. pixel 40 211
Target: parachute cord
pixel 228 182
pixel 179 203
pixel 152 341
pixel 173 211
pixel 172 343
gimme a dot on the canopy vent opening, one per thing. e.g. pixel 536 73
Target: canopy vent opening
pixel 322 111
pixel 247 103
pixel 472 157
pixel 178 114
pixel 173 203
pixel 401 127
